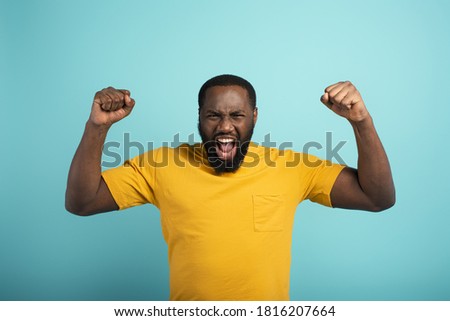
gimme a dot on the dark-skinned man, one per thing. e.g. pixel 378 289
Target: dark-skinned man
pixel 226 212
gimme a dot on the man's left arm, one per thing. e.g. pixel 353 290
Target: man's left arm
pixel 371 186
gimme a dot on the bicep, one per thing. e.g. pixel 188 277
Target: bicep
pixel 103 201
pixel 347 192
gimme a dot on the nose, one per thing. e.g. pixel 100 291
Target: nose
pixel 225 125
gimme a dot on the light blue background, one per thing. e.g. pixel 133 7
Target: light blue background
pixel 56 54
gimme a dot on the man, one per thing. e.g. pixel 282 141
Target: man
pixel 227 205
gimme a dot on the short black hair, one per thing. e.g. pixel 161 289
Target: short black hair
pixel 227 80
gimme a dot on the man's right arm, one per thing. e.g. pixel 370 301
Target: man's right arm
pixel 86 192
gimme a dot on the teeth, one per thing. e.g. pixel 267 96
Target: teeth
pixel 225 140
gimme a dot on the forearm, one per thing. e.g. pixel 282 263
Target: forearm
pixel 85 170
pixel 374 172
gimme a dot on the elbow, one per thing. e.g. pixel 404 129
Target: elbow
pixel 384 205
pixel 75 209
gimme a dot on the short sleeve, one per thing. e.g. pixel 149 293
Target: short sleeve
pixel 320 176
pixel 133 183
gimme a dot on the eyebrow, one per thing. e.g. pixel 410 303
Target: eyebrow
pixel 211 111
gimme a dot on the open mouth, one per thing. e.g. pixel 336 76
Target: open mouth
pixel 226 148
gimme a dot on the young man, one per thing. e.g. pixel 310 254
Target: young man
pixel 227 205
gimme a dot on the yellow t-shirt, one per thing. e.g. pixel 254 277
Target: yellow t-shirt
pixel 229 235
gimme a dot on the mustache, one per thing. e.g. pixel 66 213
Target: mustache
pixel 222 134
pixel 212 143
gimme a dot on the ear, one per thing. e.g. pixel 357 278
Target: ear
pixel 255 115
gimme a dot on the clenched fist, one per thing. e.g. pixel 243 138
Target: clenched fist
pixel 111 105
pixel 345 100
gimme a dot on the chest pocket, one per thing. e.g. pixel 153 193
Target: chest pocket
pixel 268 213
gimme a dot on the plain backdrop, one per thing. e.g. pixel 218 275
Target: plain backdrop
pixel 56 54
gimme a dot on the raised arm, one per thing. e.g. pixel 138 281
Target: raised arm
pixel 371 186
pixel 86 191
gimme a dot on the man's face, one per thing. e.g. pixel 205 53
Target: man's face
pixel 226 123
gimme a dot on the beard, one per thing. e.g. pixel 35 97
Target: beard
pixel 219 164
